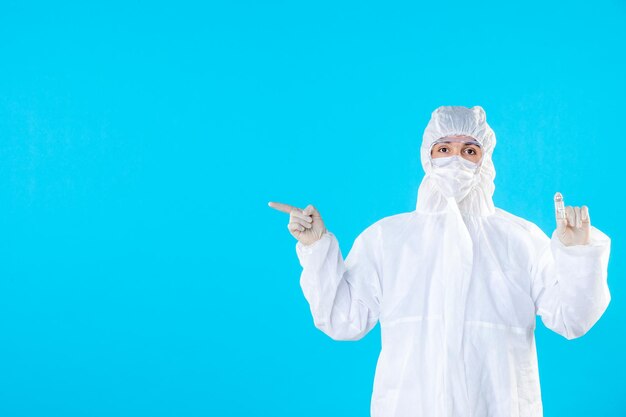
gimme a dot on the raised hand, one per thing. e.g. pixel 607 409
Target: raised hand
pixel 573 225
pixel 305 225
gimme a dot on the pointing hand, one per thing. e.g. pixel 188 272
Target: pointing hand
pixel 572 223
pixel 305 225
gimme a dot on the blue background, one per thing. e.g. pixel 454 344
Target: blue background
pixel 142 272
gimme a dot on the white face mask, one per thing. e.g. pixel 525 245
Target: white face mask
pixel 454 176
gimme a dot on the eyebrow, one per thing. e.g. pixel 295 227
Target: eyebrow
pixel 464 143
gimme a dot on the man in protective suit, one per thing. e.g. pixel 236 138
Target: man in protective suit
pixel 456 284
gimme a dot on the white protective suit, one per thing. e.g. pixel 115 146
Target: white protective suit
pixel 456 288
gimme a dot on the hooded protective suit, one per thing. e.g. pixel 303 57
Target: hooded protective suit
pixel 456 288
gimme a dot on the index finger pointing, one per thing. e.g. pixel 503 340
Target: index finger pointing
pixel 285 208
pixel 559 206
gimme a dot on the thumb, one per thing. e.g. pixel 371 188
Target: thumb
pixel 310 210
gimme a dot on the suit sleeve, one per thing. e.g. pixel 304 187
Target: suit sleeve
pixel 569 283
pixel 344 295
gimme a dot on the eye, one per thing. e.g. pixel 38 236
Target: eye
pixel 441 149
pixel 471 151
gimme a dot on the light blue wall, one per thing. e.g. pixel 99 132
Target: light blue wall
pixel 141 271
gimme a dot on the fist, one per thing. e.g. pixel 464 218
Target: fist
pixel 305 225
pixel 573 225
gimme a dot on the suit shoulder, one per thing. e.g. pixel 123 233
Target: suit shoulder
pixel 515 221
pixel 394 220
pixel 386 227
pixel 388 222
